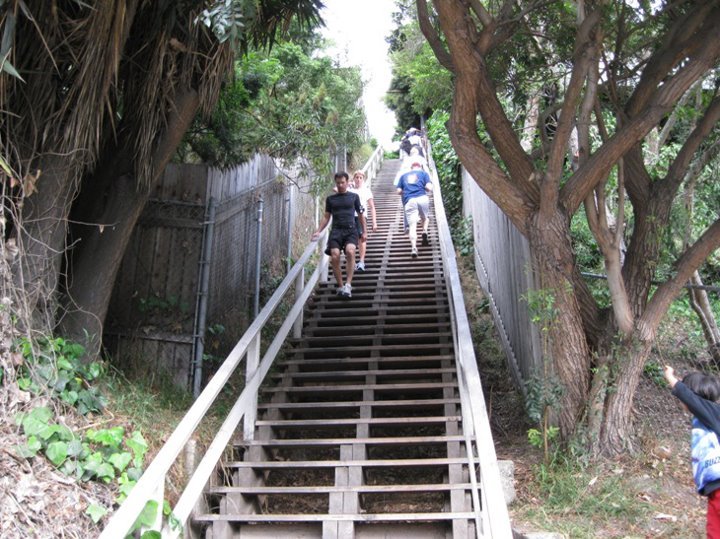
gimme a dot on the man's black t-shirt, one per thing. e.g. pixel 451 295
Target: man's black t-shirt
pixel 342 207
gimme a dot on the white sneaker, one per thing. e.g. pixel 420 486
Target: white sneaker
pixel 360 266
pixel 346 291
pixel 414 252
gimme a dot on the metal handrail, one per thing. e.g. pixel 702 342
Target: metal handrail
pixel 493 513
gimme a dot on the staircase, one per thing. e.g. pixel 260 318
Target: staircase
pixel 360 433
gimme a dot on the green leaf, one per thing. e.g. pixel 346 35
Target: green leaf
pixel 139 447
pixel 68 467
pixel 126 485
pixel 73 350
pixel 120 460
pixel 147 516
pixel 41 413
pixel 174 522
pixel 36 422
pixel 64 364
pixel 134 473
pixel 93 371
pixel 70 397
pixel 108 437
pixel 105 472
pixel 96 512
pixel 57 452
pixel 62 432
pixel 151 534
pixel 74 448
pixel 29 449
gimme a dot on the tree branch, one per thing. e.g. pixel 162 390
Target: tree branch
pixel 585 57
pixel 597 167
pixel 428 30
pixel 686 265
pixel 688 36
pixel 473 81
pixel 680 164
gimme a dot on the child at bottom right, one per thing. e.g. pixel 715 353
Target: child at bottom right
pixel 699 393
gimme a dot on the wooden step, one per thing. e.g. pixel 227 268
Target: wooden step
pixel 381 361
pixel 358 387
pixel 326 489
pixel 379 463
pixel 356 517
pixel 354 351
pixel 387 440
pixel 361 373
pixel 399 403
pixel 301 423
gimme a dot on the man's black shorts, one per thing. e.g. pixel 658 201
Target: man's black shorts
pixel 340 237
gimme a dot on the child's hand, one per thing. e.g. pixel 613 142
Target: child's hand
pixel 669 374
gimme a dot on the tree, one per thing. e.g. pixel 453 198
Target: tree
pixel 605 57
pixel 285 104
pixel 419 84
pixel 107 93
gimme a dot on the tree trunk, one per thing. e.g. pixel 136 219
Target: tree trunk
pixel 617 430
pixel 551 251
pixel 96 261
pixel 42 231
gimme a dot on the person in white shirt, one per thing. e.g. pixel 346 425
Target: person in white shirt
pixel 367 203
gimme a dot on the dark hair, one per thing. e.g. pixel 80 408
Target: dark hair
pixel 342 174
pixel 704 385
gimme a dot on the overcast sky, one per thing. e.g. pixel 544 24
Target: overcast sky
pixel 358 30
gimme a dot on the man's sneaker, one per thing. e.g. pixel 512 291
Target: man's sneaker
pixel 360 266
pixel 425 240
pixel 346 291
pixel 414 253
pixel 339 291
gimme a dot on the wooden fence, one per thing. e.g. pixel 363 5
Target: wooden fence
pixel 153 316
pixel 503 267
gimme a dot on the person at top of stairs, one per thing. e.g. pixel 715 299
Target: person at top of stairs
pixel 414 187
pixel 368 204
pixel 344 234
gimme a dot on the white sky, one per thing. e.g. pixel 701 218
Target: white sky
pixel 358 29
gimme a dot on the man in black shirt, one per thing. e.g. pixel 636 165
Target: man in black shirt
pixel 342 207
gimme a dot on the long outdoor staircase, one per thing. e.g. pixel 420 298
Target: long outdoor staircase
pixel 360 435
pixel 369 422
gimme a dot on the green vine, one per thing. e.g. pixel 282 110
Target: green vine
pixel 54 367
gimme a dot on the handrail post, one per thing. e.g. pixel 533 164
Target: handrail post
pixel 251 365
pixel 299 285
pixel 258 256
pixel 321 251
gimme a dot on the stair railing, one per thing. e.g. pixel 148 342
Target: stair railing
pixel 151 485
pixel 492 519
pixel 373 165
